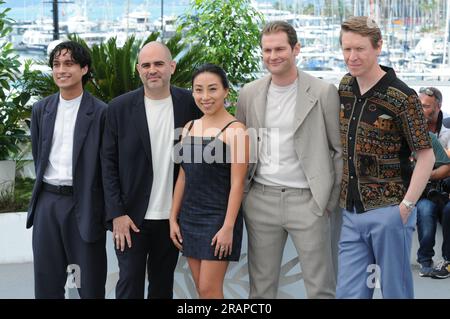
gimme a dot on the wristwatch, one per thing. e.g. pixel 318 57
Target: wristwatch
pixel 408 204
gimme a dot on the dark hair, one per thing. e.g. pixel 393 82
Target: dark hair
pixel 280 26
pixel 212 68
pixel 432 91
pixel 364 26
pixel 80 55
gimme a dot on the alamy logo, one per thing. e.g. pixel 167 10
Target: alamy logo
pixel 73 276
pixel 373 280
pixel 263 142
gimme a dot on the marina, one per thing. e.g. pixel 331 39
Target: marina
pixel 413 43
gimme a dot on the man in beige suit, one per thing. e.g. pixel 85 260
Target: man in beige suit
pixel 293 183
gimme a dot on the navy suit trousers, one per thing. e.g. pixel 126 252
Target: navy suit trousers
pixel 151 250
pixel 58 249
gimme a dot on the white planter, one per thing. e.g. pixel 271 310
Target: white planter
pixel 15 239
pixel 7 176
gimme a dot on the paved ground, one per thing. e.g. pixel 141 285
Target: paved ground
pixel 16 282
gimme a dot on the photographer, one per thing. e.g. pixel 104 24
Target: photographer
pixel 434 204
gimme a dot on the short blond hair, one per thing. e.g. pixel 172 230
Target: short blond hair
pixel 364 26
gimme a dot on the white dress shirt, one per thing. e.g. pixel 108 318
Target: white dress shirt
pixel 59 168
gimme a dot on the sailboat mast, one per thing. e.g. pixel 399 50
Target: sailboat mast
pixel 55 20
pixel 162 19
pixel 447 21
pixel 128 16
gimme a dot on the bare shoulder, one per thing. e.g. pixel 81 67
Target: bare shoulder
pixel 236 130
pixel 186 127
pixel 189 123
pixel 238 125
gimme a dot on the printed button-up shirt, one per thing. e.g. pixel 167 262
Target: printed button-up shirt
pixel 379 130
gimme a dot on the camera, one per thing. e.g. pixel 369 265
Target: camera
pixel 434 193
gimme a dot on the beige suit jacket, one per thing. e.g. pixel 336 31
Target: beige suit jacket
pixel 317 138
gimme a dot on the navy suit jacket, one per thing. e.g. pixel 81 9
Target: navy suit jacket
pixel 126 152
pixel 86 164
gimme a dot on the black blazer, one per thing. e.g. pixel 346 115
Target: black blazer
pixel 126 152
pixel 86 167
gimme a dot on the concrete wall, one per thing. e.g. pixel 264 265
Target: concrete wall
pixel 15 239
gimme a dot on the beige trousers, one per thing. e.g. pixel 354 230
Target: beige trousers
pixel 271 213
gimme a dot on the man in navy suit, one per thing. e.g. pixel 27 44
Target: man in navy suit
pixel 139 174
pixel 67 205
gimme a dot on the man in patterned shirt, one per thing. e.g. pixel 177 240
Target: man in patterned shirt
pixel 382 122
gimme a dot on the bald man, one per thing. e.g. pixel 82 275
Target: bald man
pixel 139 174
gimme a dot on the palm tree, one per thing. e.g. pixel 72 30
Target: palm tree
pixel 114 67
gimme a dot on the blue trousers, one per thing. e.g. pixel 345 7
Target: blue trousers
pixel 427 217
pixel 375 248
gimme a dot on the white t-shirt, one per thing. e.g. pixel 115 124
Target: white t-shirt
pixel 161 129
pixel 444 135
pixel 278 163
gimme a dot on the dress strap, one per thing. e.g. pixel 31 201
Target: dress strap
pixel 189 129
pixel 191 125
pixel 222 130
